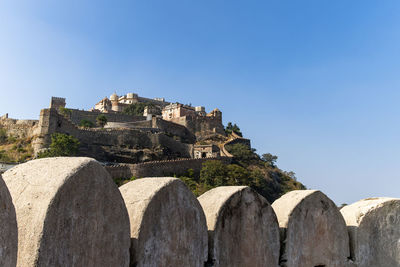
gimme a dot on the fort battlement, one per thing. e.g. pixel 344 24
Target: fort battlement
pixel 50 208
pixel 161 168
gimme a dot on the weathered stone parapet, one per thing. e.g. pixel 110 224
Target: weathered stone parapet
pixel 242 226
pixel 168 226
pixel 69 213
pixel 313 232
pixel 8 230
pixel 374 228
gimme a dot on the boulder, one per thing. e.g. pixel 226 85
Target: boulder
pixel 69 213
pixel 242 227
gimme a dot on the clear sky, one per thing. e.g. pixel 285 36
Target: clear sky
pixel 315 82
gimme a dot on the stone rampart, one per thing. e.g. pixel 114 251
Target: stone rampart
pixel 239 222
pixel 77 116
pixel 121 145
pixel 70 213
pixel 313 232
pixel 374 230
pixel 161 168
pixel 168 227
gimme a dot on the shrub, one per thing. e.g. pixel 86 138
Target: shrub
pixel 65 112
pixel 86 123
pixel 233 128
pixel 101 120
pixel 137 109
pixel 61 145
pixel 3 136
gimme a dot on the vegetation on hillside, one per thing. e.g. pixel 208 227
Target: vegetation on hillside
pixel 61 145
pixel 13 149
pixel 232 128
pixel 258 172
pixel 137 109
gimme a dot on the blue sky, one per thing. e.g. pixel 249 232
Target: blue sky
pixel 315 82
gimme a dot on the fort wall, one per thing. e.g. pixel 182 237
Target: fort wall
pixel 76 116
pixel 58 201
pixel 161 168
pixel 120 145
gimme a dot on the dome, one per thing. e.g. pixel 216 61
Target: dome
pixel 114 97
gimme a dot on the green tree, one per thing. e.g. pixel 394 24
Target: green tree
pixel 137 109
pixel 233 128
pixel 269 159
pixel 61 145
pixel 101 120
pixel 213 173
pixel 243 153
pixel 86 123
pixel 237 175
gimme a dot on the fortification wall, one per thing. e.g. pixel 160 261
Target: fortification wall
pixel 160 168
pixel 200 125
pixel 121 145
pixel 19 128
pixel 76 116
pixel 174 129
pixel 157 221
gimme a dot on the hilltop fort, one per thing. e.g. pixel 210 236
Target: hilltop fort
pixel 159 131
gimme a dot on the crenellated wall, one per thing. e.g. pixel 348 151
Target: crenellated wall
pixel 160 168
pixel 68 212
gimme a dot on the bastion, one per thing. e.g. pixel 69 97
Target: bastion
pixel 69 213
pixel 168 226
pixel 374 228
pixel 242 228
pixel 313 232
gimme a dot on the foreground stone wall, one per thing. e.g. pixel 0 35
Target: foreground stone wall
pixel 374 227
pixel 168 227
pixel 242 227
pixel 313 232
pixel 9 229
pixel 70 213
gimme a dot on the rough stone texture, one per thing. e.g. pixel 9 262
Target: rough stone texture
pixel 168 226
pixel 69 213
pixel 8 230
pixel 243 228
pixel 313 232
pixel 374 227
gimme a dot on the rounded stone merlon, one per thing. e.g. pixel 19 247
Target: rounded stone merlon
pixel 242 226
pixel 313 232
pixel 374 228
pixel 9 229
pixel 69 213
pixel 168 226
